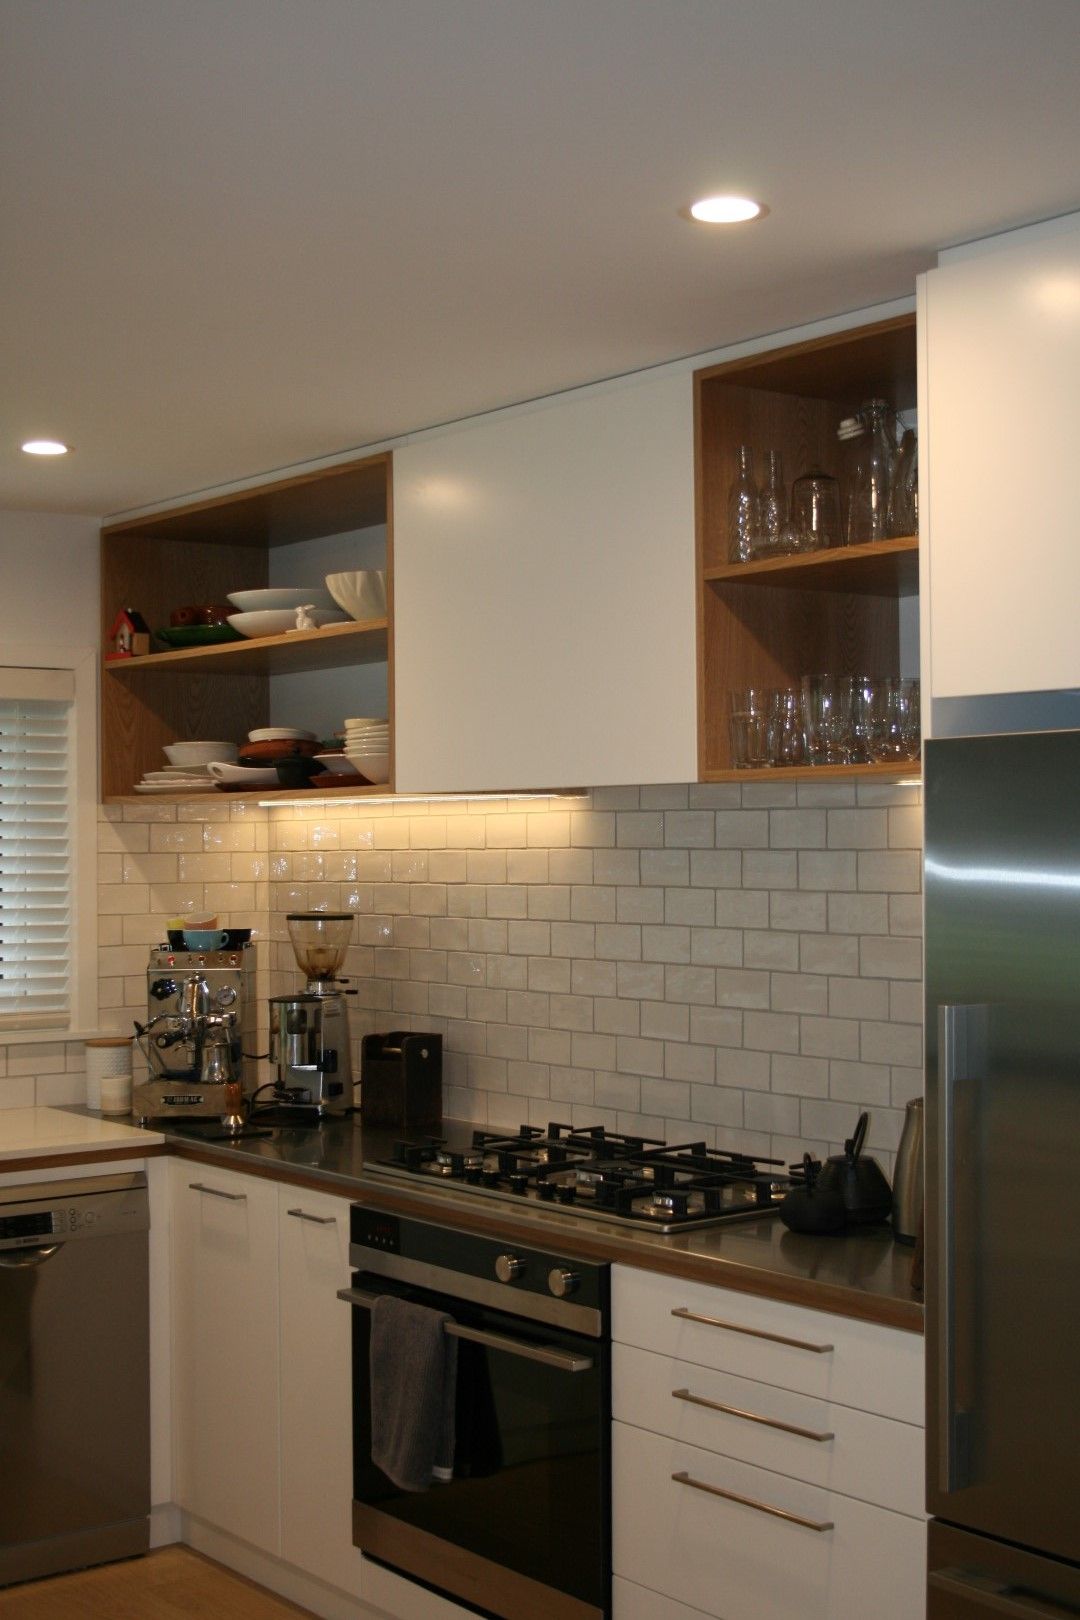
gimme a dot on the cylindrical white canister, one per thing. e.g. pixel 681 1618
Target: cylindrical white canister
pixel 108 1073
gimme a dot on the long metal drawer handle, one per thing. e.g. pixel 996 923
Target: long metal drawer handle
pixel 684 1478
pixel 316 1220
pixel 996 1599
pixel 495 1341
pixel 754 1333
pixel 751 1417
pixel 216 1192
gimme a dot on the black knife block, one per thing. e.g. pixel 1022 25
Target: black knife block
pixel 401 1082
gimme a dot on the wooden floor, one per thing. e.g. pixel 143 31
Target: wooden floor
pixel 173 1583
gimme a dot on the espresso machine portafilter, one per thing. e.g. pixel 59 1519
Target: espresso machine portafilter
pixel 309 1032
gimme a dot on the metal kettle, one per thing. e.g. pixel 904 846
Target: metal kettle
pixel 859 1180
pixel 908 1179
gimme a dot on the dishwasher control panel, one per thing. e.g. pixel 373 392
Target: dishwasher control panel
pixel 33 1216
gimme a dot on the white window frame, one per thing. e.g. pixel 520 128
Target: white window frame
pixel 83 1001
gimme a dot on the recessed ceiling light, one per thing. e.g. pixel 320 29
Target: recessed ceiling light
pixel 726 210
pixel 45 447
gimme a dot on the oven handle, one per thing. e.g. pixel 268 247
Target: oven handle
pixel 494 1341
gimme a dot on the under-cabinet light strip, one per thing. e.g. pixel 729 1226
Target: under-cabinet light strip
pixel 573 795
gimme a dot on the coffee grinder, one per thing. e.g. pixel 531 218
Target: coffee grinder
pixel 309 1032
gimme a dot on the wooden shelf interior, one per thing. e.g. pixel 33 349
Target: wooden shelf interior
pixel 200 553
pixel 770 623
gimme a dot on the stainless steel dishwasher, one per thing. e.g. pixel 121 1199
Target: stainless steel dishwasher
pixel 74 1374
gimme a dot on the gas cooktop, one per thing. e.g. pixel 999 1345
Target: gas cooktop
pixel 600 1174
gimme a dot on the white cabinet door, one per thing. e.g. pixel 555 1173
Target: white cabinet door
pixel 316 1389
pixel 544 595
pixel 1000 515
pixel 225 1350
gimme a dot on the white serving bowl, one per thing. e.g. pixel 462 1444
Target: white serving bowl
pixel 280 734
pixel 362 592
pixel 376 767
pixel 199 753
pixel 278 597
pixel 278 621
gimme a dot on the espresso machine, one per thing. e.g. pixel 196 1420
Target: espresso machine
pixel 201 1007
pixel 309 1032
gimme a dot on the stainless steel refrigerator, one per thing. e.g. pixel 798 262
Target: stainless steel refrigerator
pixel 1003 1175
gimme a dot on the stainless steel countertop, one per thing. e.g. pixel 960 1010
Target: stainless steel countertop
pixel 862 1274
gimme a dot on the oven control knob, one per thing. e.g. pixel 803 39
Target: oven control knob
pixel 562 1281
pixel 508 1267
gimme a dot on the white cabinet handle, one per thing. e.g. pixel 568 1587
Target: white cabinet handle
pixel 751 1417
pixel 754 1333
pixel 316 1220
pixel 684 1478
pixel 216 1192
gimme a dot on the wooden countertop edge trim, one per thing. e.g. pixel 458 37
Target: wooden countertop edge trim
pixel 46 1161
pixel 907 1315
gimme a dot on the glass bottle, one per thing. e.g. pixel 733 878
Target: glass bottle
pixel 743 506
pixel 773 511
pixel 868 495
pixel 903 487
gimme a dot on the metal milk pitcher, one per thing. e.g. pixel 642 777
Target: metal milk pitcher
pixel 908 1178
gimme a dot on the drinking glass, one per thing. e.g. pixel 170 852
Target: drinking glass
pixel 861 735
pixel 786 735
pixel 748 727
pixel 826 706
pixel 895 724
pixel 815 511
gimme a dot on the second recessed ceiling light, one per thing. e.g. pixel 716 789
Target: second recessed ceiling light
pixel 726 210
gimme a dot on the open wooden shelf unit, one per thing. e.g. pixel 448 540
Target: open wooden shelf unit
pixel 769 623
pixel 200 552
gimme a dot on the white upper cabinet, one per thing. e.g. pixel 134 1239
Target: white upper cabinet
pixel 1000 506
pixel 544 588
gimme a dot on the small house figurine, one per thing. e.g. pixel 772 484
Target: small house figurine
pixel 129 636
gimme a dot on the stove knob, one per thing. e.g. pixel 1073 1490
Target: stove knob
pixel 508 1267
pixel 546 1191
pixel 562 1281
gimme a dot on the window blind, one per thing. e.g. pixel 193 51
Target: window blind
pixel 36 859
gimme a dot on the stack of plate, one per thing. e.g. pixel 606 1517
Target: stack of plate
pixel 177 779
pixel 367 747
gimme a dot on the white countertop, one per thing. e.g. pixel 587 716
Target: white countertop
pixel 38 1132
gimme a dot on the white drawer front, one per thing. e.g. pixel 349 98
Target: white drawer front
pixel 860 1364
pixel 632 1602
pixel 837 1447
pixel 733 1560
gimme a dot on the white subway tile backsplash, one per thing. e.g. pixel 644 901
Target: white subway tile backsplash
pixel 743 957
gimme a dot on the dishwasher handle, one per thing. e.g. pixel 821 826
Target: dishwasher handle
pixel 17 1259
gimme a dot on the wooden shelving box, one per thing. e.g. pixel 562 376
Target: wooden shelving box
pixel 769 623
pixel 199 553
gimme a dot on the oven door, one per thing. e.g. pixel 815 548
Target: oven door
pixel 523 1529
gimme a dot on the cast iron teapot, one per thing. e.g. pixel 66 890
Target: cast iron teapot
pixel 860 1182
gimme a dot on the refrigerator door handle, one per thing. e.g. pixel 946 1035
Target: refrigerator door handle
pixel 962 1047
pixel 992 1598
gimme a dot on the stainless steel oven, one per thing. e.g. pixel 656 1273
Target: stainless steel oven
pixel 523 1528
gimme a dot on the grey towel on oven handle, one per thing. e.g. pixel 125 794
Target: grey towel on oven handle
pixel 413 1390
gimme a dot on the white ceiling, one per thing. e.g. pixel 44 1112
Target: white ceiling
pixel 238 234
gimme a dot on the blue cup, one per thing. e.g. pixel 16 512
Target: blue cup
pixel 206 939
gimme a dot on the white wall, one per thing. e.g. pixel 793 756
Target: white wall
pixel 49 569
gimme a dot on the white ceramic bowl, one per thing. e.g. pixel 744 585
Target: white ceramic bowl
pixel 280 734
pixel 376 767
pixel 278 621
pixel 336 764
pixel 278 597
pixel 199 753
pixel 362 592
